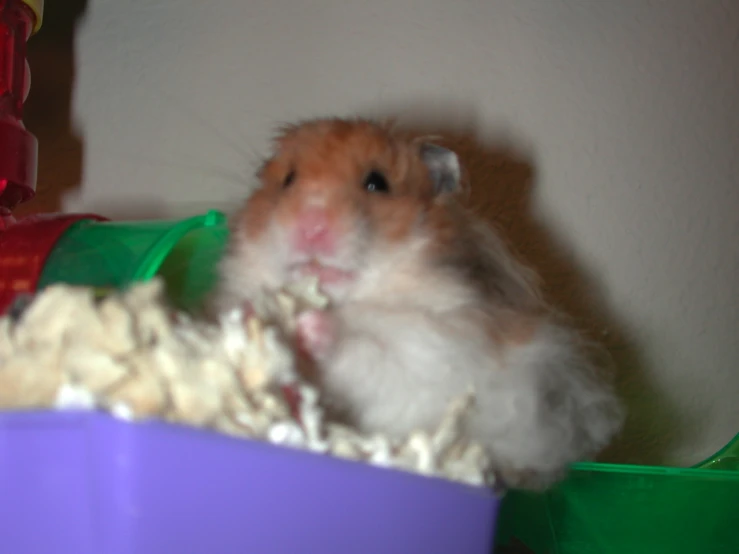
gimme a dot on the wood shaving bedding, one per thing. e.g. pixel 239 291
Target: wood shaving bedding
pixel 131 356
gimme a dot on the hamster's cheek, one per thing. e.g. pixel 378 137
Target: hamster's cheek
pixel 255 219
pixel 395 219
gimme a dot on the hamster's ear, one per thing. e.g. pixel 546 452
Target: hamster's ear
pixel 444 168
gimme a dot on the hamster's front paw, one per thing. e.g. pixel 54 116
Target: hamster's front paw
pixel 247 311
pixel 316 333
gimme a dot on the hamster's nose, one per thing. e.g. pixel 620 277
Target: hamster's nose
pixel 314 233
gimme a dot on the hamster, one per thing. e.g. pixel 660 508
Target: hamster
pixel 426 300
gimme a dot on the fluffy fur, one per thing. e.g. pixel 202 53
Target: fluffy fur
pixel 432 304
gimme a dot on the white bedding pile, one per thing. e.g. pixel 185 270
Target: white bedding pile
pixel 131 356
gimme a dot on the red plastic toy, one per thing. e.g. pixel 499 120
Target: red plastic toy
pixel 18 147
pixel 24 245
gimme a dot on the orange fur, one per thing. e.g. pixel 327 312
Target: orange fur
pixel 334 156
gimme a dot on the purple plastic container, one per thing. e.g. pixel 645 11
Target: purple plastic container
pixel 80 482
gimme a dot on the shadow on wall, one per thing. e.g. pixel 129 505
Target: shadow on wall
pixel 502 184
pixel 48 109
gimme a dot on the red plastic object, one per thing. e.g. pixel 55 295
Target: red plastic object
pixel 24 247
pixel 18 147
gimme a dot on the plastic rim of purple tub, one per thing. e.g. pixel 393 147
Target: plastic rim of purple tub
pixel 85 482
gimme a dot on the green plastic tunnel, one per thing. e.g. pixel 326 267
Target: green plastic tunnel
pixel 112 255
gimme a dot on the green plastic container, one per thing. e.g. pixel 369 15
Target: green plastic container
pixel 627 509
pixel 114 254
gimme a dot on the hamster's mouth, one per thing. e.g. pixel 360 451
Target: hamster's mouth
pixel 326 274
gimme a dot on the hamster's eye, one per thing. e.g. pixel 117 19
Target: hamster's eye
pixel 289 179
pixel 376 182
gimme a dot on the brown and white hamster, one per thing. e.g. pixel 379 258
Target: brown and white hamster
pixel 425 299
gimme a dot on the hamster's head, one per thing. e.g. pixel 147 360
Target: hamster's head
pixel 338 200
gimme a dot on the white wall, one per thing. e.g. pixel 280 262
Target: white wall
pixel 629 111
